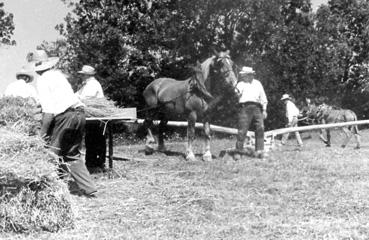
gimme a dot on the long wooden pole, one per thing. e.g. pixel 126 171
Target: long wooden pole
pixel 270 133
pixel 214 128
pixel 316 127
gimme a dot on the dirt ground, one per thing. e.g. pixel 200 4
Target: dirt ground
pixel 310 193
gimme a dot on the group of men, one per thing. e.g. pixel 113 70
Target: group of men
pixel 64 121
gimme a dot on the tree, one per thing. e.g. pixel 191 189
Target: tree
pixel 6 26
pixel 342 30
pixel 132 42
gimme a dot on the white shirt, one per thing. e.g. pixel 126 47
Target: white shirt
pixel 291 111
pixel 55 93
pixel 20 88
pixel 92 88
pixel 252 92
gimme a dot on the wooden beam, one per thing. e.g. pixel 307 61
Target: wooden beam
pixel 214 128
pixel 315 127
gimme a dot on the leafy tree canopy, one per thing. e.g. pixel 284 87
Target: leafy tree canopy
pixel 293 50
pixel 6 26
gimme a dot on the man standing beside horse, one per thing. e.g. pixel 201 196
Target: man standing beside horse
pixel 292 113
pixel 252 108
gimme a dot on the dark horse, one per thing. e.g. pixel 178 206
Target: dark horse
pixel 188 98
pixel 325 114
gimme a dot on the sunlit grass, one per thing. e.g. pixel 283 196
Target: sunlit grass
pixel 316 193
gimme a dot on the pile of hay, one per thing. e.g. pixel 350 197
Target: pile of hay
pixel 32 197
pixel 19 114
pixel 100 107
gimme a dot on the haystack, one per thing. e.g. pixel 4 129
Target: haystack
pixel 100 107
pixel 32 197
pixel 19 114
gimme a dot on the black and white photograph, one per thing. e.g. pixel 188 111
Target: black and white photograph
pixel 184 119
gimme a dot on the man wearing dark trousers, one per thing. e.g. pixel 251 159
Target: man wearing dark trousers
pixel 95 138
pixel 252 108
pixel 64 120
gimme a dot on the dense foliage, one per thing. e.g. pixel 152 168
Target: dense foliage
pixel 292 49
pixel 6 26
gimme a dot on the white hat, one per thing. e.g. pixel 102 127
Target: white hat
pixel 285 96
pixel 247 70
pixel 41 60
pixel 87 70
pixel 26 71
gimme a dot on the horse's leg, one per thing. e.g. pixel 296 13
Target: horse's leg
pixel 321 135
pixel 207 154
pixel 148 124
pixel 357 136
pixel 162 130
pixel 348 135
pixel 355 130
pixel 191 136
pixel 328 143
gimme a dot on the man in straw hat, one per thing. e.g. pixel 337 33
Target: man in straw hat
pixel 292 113
pixel 63 122
pixel 22 87
pixel 252 108
pixel 91 88
pixel 95 138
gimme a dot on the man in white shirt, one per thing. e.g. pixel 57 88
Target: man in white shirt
pixel 94 139
pixel 22 87
pixel 91 88
pixel 292 113
pixel 63 122
pixel 252 108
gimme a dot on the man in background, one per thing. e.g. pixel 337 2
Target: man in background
pixel 292 113
pixel 95 139
pixel 22 86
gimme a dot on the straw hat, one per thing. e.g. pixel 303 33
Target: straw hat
pixel 26 71
pixel 87 70
pixel 41 60
pixel 247 70
pixel 285 97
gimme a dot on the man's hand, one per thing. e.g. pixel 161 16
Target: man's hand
pixel 265 114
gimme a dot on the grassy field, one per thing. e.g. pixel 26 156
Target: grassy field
pixel 315 193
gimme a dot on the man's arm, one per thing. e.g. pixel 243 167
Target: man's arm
pixel 263 100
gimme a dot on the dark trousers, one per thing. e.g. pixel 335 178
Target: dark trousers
pixel 66 141
pixel 250 113
pixel 95 145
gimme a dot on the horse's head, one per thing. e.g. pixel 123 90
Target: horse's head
pixel 312 110
pixel 224 65
pixel 323 109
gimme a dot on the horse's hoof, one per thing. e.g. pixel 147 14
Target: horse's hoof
pixel 149 150
pixel 328 145
pixel 207 158
pixel 343 146
pixel 162 149
pixel 357 147
pixel 191 157
pixel 236 156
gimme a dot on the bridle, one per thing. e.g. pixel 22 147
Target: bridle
pixel 229 66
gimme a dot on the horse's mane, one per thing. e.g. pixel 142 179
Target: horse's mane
pixel 205 66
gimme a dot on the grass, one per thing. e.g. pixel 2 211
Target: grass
pixel 316 193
